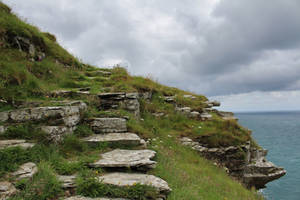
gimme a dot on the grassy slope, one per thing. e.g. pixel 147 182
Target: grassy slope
pixel 189 175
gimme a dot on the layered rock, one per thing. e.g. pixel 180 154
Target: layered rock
pixel 226 115
pixel 68 182
pixel 125 179
pixel 137 159
pixel 128 139
pixel 26 170
pixel 15 143
pixel 128 101
pixel 244 162
pixel 6 190
pixel 108 125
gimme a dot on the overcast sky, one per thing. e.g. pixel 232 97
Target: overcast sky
pixel 245 53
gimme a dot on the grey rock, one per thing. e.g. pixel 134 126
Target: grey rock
pixel 15 143
pixel 189 96
pixel 213 104
pixel 108 125
pixel 4 116
pixel 6 190
pixel 146 96
pixel 170 99
pixel 68 181
pixel 87 198
pixel 26 170
pixel 205 116
pixel 2 129
pixel 158 114
pixel 194 114
pixel 56 133
pixel 140 159
pixel 132 95
pixel 227 115
pixel 115 138
pixel 126 179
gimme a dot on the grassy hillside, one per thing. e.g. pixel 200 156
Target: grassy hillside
pixel 31 76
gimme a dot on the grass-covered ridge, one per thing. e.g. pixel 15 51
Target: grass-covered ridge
pixel 26 79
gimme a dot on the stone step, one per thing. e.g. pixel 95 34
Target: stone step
pixel 87 198
pixel 123 180
pixel 137 159
pixel 15 143
pixel 127 179
pixel 26 170
pixel 115 138
pixel 108 125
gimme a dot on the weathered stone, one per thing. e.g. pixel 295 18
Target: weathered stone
pixel 2 129
pixel 170 99
pixel 213 104
pixel 68 181
pixel 227 115
pixel 26 170
pixel 189 96
pixel 205 116
pixel 4 116
pixel 6 190
pixel 247 164
pixel 108 125
pixel 115 138
pixel 68 115
pixel 125 179
pixel 56 133
pixel 87 198
pixel 158 114
pixel 146 95
pixel 15 143
pixel 194 114
pixel 140 159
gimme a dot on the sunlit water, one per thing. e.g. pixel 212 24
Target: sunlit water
pixel 279 132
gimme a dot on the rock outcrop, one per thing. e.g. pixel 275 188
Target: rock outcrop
pixel 136 159
pixel 244 162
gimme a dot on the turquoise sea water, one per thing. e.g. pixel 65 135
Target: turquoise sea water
pixel 279 132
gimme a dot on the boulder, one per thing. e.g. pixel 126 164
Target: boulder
pixel 205 116
pixel 26 170
pixel 213 104
pixel 108 125
pixel 169 99
pixel 15 143
pixel 129 139
pixel 227 115
pixel 189 96
pixel 137 159
pixel 126 179
pixel 6 190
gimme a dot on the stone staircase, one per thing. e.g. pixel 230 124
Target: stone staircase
pixel 125 167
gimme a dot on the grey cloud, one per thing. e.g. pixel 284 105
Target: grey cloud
pixel 213 47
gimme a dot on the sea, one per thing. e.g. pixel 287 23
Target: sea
pixel 279 133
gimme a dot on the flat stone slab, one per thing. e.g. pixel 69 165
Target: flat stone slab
pixel 115 138
pixel 67 181
pixel 87 198
pixel 15 143
pixel 126 179
pixel 118 158
pixel 108 125
pixel 26 170
pixel 6 190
